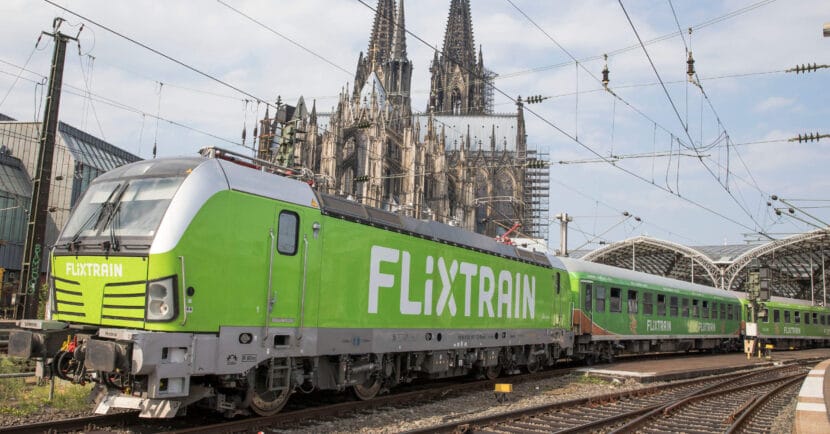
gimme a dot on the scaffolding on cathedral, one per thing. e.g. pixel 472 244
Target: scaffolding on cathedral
pixel 537 190
pixel 489 90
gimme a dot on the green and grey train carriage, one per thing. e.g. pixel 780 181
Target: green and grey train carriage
pixel 788 323
pixel 198 279
pixel 619 311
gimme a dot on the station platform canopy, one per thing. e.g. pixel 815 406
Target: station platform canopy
pixel 797 263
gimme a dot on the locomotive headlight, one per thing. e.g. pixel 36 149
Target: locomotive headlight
pixel 161 300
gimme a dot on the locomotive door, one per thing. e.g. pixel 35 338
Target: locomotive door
pixel 286 274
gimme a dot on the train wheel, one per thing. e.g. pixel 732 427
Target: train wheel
pixel 533 365
pixel 368 389
pixel 492 372
pixel 265 400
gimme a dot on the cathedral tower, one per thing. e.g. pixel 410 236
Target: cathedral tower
pixel 458 79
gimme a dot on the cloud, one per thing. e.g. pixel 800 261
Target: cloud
pixel 774 103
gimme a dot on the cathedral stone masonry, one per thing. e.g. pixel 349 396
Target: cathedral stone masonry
pixel 458 162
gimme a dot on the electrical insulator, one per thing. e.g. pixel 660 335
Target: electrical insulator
pixel 605 73
pixel 690 67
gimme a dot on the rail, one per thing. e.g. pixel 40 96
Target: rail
pixel 17 375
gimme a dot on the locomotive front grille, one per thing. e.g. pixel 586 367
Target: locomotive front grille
pixel 69 299
pixel 123 304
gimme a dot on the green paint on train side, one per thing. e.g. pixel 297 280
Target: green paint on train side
pixel 344 274
pixel 791 320
pixel 651 311
pixel 411 282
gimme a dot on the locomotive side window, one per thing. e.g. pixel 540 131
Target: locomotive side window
pixel 600 299
pixel 661 305
pixel 648 307
pixel 787 316
pixel 588 290
pixel 685 311
pixel 673 306
pixel 287 233
pixel 616 305
pixel 776 316
pixel 632 301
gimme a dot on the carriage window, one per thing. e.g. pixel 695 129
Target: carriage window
pixel 722 311
pixel 787 316
pixel 705 311
pixel 616 305
pixel 588 288
pixel 730 312
pixel 600 299
pixel 661 305
pixel 776 315
pixel 823 319
pixel 714 310
pixel 685 310
pixel 815 318
pixel 648 307
pixel 695 310
pixel 797 317
pixel 806 317
pixel 287 236
pixel 673 306
pixel 632 301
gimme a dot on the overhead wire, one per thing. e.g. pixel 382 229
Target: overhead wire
pixel 159 53
pixel 661 38
pixel 680 118
pixel 685 126
pixel 295 43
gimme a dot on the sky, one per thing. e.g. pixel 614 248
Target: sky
pixel 696 164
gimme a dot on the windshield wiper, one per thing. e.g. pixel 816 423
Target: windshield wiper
pixel 74 243
pixel 113 219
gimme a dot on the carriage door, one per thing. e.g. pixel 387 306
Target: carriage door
pixel 286 277
pixel 584 316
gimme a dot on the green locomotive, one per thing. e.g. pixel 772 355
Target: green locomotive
pixel 200 279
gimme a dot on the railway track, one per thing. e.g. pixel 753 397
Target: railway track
pixel 703 405
pixel 586 414
pixel 212 423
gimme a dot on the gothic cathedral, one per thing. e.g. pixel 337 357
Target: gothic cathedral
pixel 457 162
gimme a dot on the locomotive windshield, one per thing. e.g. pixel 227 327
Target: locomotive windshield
pixel 119 212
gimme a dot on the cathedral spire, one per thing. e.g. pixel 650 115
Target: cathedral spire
pixel 399 35
pixel 381 40
pixel 458 38
pixel 458 86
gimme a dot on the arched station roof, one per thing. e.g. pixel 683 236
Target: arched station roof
pixel 797 262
